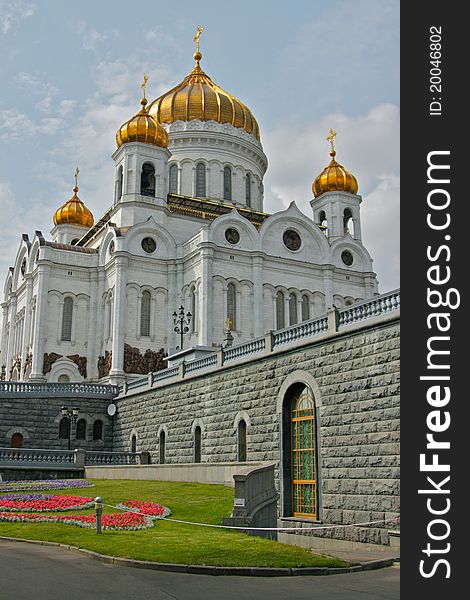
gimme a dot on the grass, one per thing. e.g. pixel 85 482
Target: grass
pixel 172 542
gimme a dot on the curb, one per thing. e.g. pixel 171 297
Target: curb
pixel 212 570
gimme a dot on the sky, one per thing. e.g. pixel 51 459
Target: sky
pixel 70 75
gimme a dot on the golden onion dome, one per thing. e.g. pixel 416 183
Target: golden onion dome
pixel 74 211
pixel 197 97
pixel 334 177
pixel 142 127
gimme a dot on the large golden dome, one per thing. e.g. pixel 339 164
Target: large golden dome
pixel 74 211
pixel 198 97
pixel 142 128
pixel 334 177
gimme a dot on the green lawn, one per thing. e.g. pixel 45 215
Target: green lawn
pixel 172 542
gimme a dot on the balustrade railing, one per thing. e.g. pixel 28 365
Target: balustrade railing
pixel 66 390
pixel 201 363
pixel 369 308
pixel 300 331
pixel 246 349
pixel 111 458
pixel 36 456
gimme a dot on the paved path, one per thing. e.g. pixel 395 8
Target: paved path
pixel 34 572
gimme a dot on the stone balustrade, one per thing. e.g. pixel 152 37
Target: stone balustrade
pixel 58 390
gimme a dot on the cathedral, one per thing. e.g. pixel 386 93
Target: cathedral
pixel 185 228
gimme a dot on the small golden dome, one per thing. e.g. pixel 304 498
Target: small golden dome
pixel 334 177
pixel 198 97
pixel 142 128
pixel 74 211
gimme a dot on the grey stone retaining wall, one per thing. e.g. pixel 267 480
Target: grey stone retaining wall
pixel 356 383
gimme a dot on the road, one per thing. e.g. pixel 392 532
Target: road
pixel 34 572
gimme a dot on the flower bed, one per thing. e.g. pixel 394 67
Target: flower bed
pixel 114 521
pixel 44 484
pixel 152 509
pixel 48 503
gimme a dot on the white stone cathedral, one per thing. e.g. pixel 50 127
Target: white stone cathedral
pixel 186 227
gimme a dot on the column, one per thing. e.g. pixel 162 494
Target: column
pixel 206 298
pixel 27 320
pixel 117 375
pixel 95 324
pixel 328 288
pixel 10 342
pixel 171 304
pixel 4 345
pixel 258 302
pixel 40 324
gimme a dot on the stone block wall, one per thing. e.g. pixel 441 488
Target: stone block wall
pixel 355 379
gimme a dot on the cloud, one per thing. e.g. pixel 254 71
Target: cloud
pixel 11 13
pixel 16 126
pixel 368 146
pixel 90 37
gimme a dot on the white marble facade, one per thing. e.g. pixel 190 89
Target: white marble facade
pixel 83 300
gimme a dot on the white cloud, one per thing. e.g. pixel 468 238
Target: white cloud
pixel 16 125
pixel 11 13
pixel 90 37
pixel 368 146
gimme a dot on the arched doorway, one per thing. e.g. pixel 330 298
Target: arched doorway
pixel 17 440
pixel 300 480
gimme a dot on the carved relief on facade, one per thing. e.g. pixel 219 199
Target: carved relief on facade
pixel 49 360
pixel 80 361
pixel 135 362
pixel 104 364
pixel 28 362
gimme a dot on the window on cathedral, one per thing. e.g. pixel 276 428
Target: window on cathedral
pixel 305 308
pixel 192 324
pixel 81 429
pixel 63 378
pixel 348 224
pixel 64 425
pixel 174 179
pixel 67 320
pixel 161 444
pixel 119 184
pixel 134 443
pixel 98 430
pixel 280 311
pixel 323 223
pixel 248 190
pixel 147 180
pixel 227 183
pixel 292 309
pixel 17 440
pixel 241 445
pixel 197 445
pixel 232 305
pixel 200 180
pixel 145 304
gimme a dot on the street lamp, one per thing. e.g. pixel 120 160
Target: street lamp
pixel 71 415
pixel 181 322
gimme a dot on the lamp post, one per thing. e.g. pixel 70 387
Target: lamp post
pixel 181 322
pixel 71 415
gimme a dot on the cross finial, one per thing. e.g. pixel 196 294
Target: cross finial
pixel 199 30
pixel 331 139
pixel 144 86
pixel 229 325
pixel 77 171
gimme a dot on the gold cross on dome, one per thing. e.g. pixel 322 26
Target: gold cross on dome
pixel 144 85
pixel 229 325
pixel 331 139
pixel 199 30
pixel 77 171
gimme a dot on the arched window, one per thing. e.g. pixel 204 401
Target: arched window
pixel 174 179
pixel 133 444
pixel 300 409
pixel 348 223
pixel 67 320
pixel 200 180
pixel 197 445
pixel 119 184
pixel 241 441
pixel 162 447
pixel 227 183
pixel 232 305
pixel 192 297
pixel 147 180
pixel 280 311
pixel 17 440
pixel 323 223
pixel 305 308
pixel 64 428
pixel 98 430
pixel 292 309
pixel 248 190
pixel 81 429
pixel 145 313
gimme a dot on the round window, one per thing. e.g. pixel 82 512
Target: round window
pixel 149 245
pixel 232 236
pixel 347 258
pixel 291 239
